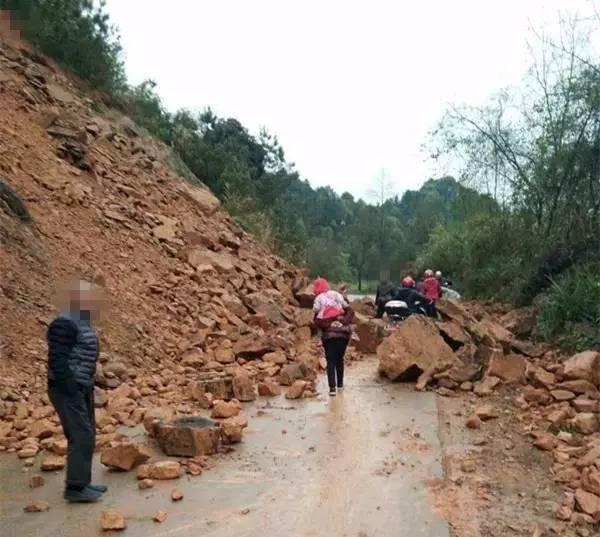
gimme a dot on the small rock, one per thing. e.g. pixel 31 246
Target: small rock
pixel 176 495
pixel 562 395
pixel 587 502
pixel 37 506
pixel 486 412
pixel 60 446
pixel 585 422
pixel 473 422
pixel 296 390
pixel 43 428
pixel 27 452
pixel 468 466
pixel 545 442
pixel 233 428
pixel 145 484
pixel 125 456
pixel 269 388
pixel 161 470
pixel 245 511
pixel 225 409
pixel 243 388
pixel 112 520
pixel 51 463
pixel 36 481
pixel 564 512
pixel 160 516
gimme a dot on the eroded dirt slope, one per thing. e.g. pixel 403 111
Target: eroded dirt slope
pixel 88 194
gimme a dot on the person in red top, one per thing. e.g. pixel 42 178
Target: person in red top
pixel 432 288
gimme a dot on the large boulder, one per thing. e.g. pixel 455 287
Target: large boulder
pixel 252 346
pixel 265 304
pixel 205 200
pixel 369 332
pixel 511 368
pixel 585 366
pixel 243 387
pixel 187 437
pixel 487 332
pixel 306 296
pixel 455 311
pixel 220 388
pixel 453 333
pixel 520 322
pixel 364 306
pixel 198 256
pixel 415 349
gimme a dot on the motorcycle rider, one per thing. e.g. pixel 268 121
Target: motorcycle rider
pixel 414 300
pixel 385 293
pixel 444 282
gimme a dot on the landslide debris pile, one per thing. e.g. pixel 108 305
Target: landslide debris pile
pixel 199 314
pixel 557 397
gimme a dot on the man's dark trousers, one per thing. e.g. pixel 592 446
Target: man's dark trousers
pixel 75 408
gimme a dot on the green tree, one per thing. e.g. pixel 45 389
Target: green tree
pixel 78 34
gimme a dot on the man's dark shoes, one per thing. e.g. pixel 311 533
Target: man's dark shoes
pixel 99 488
pixel 85 495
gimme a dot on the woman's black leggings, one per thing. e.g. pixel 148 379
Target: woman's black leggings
pixel 335 348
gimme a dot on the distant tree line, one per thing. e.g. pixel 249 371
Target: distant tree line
pixel 536 149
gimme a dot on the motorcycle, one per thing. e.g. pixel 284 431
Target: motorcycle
pixel 397 311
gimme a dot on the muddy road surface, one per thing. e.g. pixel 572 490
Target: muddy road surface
pixel 360 464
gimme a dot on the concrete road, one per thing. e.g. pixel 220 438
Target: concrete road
pixel 355 465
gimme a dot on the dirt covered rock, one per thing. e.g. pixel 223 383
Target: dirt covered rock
pixel 112 520
pixel 583 366
pixel 509 368
pixel 188 437
pixel 125 456
pixel 162 470
pixel 232 429
pixel 415 351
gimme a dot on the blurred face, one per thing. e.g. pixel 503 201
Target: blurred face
pixel 79 295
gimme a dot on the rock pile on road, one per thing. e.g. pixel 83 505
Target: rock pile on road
pixel 558 397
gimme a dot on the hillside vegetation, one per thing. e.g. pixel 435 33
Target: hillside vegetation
pixel 520 223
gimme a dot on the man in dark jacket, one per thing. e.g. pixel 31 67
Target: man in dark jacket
pixel 414 300
pixel 384 294
pixel 73 349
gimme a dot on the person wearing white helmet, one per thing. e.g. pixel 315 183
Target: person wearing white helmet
pixel 445 282
pixel 432 289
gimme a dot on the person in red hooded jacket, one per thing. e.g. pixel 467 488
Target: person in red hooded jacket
pixel 333 316
pixel 432 290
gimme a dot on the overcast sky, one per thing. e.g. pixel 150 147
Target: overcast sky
pixel 349 87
